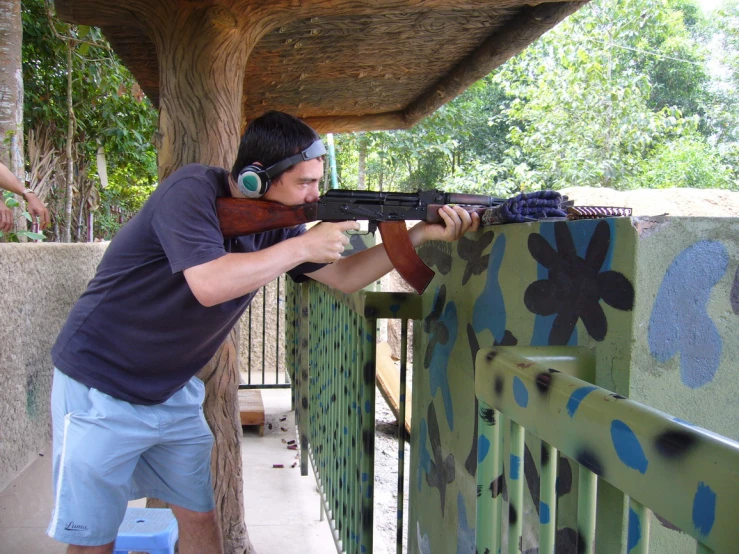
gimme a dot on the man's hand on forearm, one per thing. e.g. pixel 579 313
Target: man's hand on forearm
pixel 457 222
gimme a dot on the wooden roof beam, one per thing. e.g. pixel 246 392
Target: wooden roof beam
pixel 352 123
pixel 502 45
pixel 496 50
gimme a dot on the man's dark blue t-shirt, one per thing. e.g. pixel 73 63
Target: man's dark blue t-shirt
pixel 138 333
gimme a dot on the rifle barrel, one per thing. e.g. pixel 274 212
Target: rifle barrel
pixel 410 198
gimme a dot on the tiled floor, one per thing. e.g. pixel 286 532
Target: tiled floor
pixel 282 509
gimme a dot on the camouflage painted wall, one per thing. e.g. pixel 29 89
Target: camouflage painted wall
pixel 655 300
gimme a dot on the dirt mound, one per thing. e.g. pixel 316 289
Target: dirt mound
pixel 674 202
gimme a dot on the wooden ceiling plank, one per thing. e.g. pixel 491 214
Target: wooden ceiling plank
pixel 311 77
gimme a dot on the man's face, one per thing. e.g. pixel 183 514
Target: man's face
pixel 298 185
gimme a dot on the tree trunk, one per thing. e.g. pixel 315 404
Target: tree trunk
pixel 361 184
pixel 11 92
pixel 69 194
pixel 202 58
pixel 222 412
pixel 202 53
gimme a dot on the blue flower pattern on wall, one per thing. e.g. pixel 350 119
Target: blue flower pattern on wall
pixel 442 330
pixel 680 323
pixel 489 312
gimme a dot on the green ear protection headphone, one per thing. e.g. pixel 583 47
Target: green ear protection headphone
pixel 254 180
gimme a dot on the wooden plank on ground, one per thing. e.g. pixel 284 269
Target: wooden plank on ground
pixel 251 408
pixel 387 375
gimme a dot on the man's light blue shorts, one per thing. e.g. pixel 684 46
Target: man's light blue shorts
pixel 108 451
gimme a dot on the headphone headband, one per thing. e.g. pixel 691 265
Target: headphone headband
pixel 315 150
pixel 254 180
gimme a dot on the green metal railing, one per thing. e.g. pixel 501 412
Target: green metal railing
pixel 331 352
pixel 686 474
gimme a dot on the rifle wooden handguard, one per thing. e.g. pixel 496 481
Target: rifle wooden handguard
pixel 432 212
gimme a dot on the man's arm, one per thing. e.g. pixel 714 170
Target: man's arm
pixel 355 272
pixel 234 275
pixel 11 183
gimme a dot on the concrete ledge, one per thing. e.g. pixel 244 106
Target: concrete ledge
pixel 40 283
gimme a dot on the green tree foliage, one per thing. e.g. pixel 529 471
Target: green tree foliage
pixel 582 96
pixel 619 95
pixel 109 109
pixel 688 161
pixel 723 114
pixel 459 139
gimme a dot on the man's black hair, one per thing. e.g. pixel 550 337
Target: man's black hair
pixel 272 137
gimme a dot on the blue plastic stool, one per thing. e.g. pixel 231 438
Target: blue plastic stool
pixel 152 530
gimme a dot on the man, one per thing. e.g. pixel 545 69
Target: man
pixel 126 406
pixel 36 208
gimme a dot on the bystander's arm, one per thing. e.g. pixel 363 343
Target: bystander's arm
pixel 35 207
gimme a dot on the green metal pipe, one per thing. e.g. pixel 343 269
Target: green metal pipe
pixel 332 160
pixel 486 475
pixel 515 489
pixel 401 433
pixel 498 467
pixel 640 527
pixel 356 373
pixel 303 379
pixel 587 496
pixel 367 469
pixel 548 499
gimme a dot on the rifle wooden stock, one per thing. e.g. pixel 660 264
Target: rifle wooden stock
pixel 239 217
pixel 400 250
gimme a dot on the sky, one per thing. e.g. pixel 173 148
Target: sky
pixel 709 5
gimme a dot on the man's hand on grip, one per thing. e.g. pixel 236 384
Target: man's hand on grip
pixel 325 242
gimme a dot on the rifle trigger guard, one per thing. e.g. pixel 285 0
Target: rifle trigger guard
pixel 359 233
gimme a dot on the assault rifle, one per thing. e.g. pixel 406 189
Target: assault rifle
pixel 386 211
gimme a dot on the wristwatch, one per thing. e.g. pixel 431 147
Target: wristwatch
pixel 25 192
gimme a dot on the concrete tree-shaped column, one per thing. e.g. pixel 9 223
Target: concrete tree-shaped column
pixel 202 50
pixel 202 53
